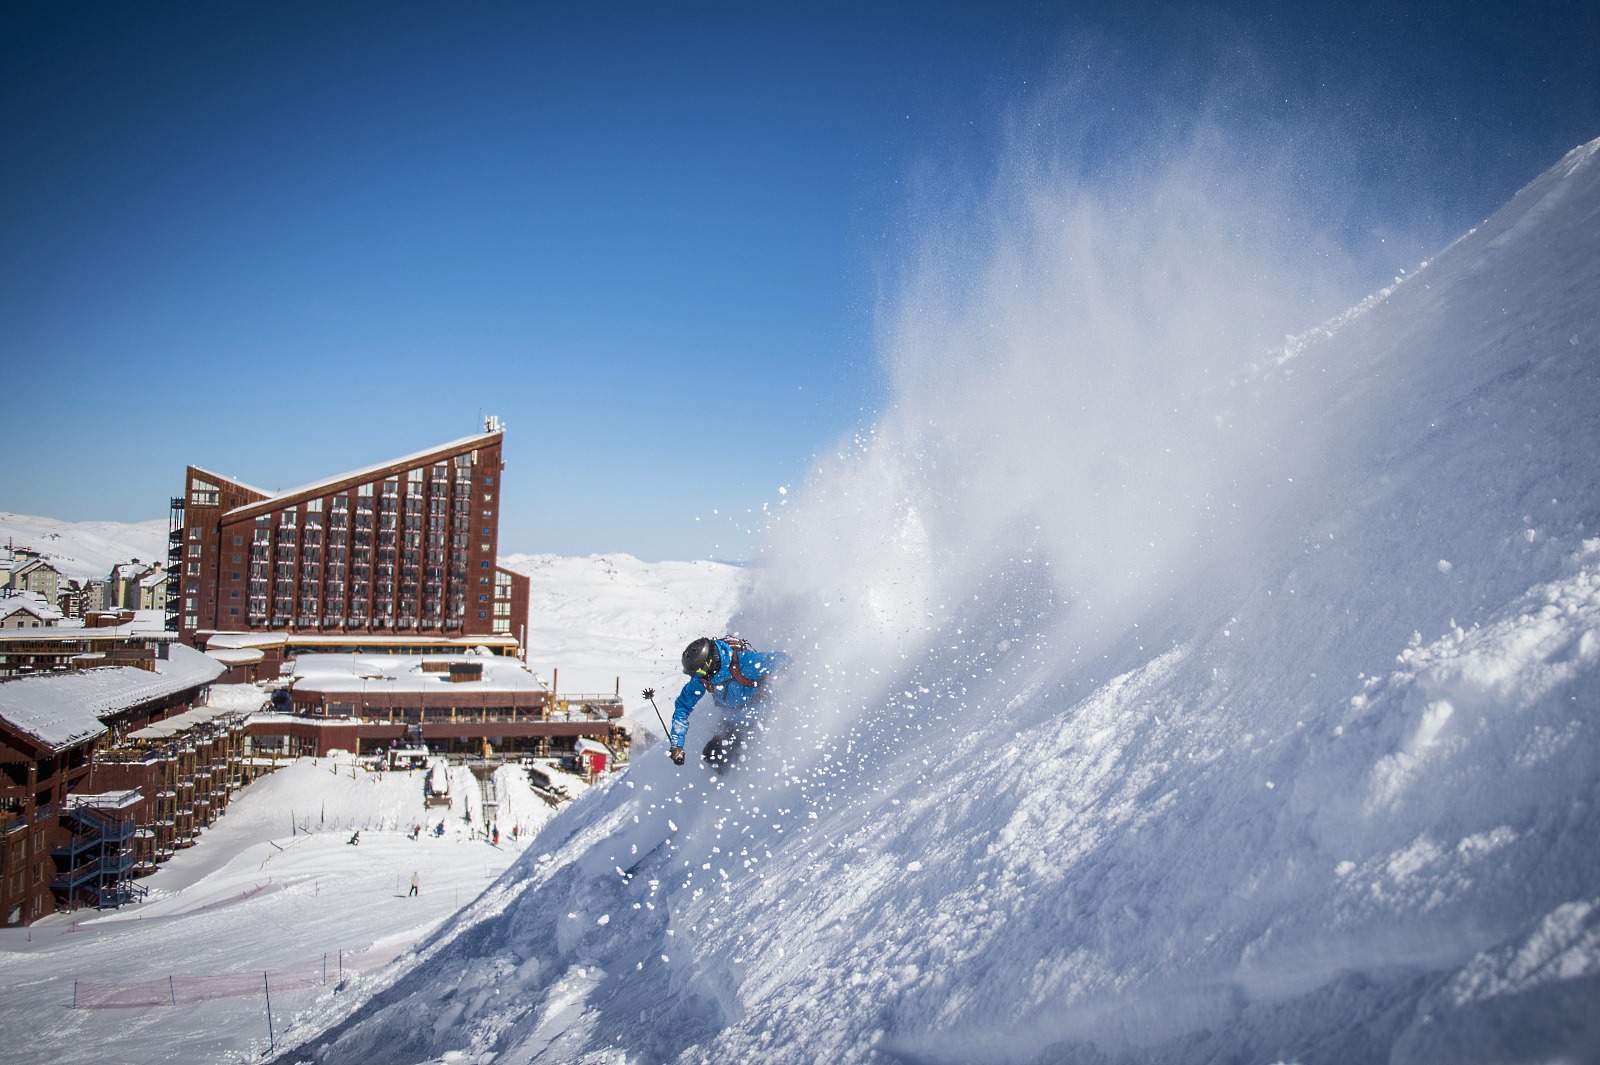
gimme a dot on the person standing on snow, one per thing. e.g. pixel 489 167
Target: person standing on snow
pixel 737 678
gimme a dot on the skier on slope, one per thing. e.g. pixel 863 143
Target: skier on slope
pixel 737 678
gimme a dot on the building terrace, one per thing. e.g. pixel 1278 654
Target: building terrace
pixel 473 703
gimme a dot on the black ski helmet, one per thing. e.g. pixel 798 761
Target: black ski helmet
pixel 701 658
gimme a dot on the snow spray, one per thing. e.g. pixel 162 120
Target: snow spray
pixel 1061 435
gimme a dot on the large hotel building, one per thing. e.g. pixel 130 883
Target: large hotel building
pixel 406 548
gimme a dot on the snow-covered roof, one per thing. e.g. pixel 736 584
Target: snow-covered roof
pixel 236 696
pixel 236 656
pixel 62 709
pixel 404 673
pixel 315 487
pixel 178 724
pixel 220 641
pixel 146 625
pixel 28 603
pixel 30 564
pixel 105 800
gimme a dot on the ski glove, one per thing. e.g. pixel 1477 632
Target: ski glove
pixel 677 755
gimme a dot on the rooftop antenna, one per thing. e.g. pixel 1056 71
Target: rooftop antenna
pixel 491 424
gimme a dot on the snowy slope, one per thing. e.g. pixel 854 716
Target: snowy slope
pixel 1256 722
pixel 273 887
pixel 86 549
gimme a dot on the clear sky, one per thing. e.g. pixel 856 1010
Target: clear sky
pixel 282 240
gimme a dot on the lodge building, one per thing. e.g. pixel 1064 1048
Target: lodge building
pixel 406 547
pixel 78 817
pixel 477 704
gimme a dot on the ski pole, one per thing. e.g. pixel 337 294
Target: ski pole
pixel 650 693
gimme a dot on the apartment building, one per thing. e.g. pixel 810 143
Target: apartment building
pixel 405 547
pixel 70 832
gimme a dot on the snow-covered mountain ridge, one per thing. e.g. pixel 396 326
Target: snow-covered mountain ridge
pixel 1301 768
pixel 87 549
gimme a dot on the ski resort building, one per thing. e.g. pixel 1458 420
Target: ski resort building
pixel 406 547
pixel 70 831
pixel 475 704
pixel 61 649
pixel 265 656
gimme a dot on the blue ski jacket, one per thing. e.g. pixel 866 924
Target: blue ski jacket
pixel 734 698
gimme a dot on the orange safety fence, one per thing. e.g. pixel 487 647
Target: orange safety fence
pixel 176 990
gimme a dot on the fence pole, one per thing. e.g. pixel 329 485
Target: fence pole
pixel 272 1044
pixel 324 967
pixel 341 963
pixel 172 989
pixel 74 994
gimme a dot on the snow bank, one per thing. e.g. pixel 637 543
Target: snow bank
pixel 1155 700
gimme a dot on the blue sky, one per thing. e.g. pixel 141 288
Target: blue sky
pixel 284 240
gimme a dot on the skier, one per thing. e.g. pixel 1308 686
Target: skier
pixel 416 880
pixel 737 678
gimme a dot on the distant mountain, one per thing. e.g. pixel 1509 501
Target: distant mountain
pixel 606 620
pixel 85 549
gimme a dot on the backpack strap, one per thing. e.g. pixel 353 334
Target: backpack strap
pixel 736 645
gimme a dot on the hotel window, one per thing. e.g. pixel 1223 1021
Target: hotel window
pixel 203 493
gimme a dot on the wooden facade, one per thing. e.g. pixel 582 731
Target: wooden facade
pixel 408 547
pixel 69 816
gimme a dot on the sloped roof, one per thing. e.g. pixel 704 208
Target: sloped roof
pixel 316 488
pixel 233 481
pixel 30 603
pixel 63 709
